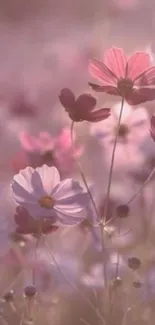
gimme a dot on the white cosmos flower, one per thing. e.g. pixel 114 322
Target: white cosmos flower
pixel 42 193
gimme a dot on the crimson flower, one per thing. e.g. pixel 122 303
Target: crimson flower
pixel 152 129
pixel 82 108
pixel 131 78
pixel 28 225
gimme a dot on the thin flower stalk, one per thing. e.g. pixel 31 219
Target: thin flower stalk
pixel 96 210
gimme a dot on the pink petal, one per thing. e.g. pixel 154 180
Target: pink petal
pixel 85 102
pixel 148 76
pixel 138 117
pixel 63 141
pixel 137 64
pixel 116 60
pixel 152 129
pixel 141 95
pixel 45 179
pixel 35 210
pixel 28 142
pixel 65 189
pixel 21 187
pixel 22 195
pixel 70 219
pixel 99 115
pixel 46 138
pixel 100 71
pixel 67 98
pixel 111 90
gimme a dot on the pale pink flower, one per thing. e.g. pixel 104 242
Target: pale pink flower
pixel 42 143
pixel 82 108
pixel 133 131
pixel 41 192
pixel 55 149
pixel 134 126
pixel 131 77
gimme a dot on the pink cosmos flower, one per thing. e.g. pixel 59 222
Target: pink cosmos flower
pixel 133 131
pixel 41 192
pixel 82 108
pixel 131 78
pixel 57 150
pixel 28 225
pixel 43 143
pixel 152 129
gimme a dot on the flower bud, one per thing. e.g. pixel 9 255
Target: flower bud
pixel 122 211
pixel 30 291
pixel 134 263
pixel 9 296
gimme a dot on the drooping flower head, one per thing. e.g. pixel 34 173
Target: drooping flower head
pixel 82 108
pixel 41 192
pixel 132 78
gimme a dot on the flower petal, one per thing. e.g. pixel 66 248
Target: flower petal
pixel 138 117
pixel 85 102
pixel 100 71
pixel 152 129
pixel 141 95
pixel 137 64
pixel 99 115
pixel 67 99
pixel 37 212
pixel 111 90
pixel 70 219
pixel 116 60
pixel 28 142
pixel 66 189
pixel 21 187
pixel 147 78
pixel 45 178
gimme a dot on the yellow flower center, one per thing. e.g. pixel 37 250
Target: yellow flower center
pixel 125 86
pixel 46 202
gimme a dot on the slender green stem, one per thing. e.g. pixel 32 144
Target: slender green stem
pixel 112 162
pixel 73 286
pixel 96 211
pixel 142 186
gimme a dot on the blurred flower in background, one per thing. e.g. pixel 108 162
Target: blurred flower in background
pixel 53 272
